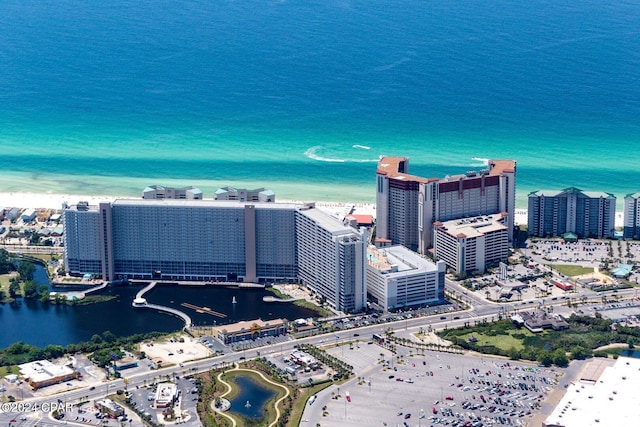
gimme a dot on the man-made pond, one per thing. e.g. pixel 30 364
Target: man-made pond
pixel 251 400
pixel 41 324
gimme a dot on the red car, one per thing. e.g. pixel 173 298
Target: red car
pixel 434 410
pixel 449 397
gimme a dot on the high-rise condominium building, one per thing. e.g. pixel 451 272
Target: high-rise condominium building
pixel 206 240
pixel 587 214
pixel 631 228
pixel 407 206
pixel 471 245
pixel 331 259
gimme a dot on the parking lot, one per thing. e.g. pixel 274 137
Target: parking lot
pixel 434 389
pixel 143 398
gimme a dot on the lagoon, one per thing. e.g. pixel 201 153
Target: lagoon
pixel 41 324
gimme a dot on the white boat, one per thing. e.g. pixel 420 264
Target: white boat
pixel 362 147
pixel 233 301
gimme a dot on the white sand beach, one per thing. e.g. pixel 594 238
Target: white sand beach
pixel 338 209
pixel 46 200
pixel 55 201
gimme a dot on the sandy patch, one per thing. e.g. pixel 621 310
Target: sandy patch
pixel 176 352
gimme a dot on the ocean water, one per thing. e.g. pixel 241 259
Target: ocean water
pixel 304 96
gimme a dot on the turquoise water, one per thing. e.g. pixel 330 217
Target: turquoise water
pixel 303 97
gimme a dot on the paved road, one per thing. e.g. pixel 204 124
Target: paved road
pixel 480 310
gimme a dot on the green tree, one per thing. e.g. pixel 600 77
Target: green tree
pixel 560 358
pixel 96 339
pixel 14 288
pixel 545 358
pixel 53 351
pixel 6 265
pixel 30 289
pixel 108 336
pixel 26 270
pixel 513 353
pixel 18 348
pixel 580 353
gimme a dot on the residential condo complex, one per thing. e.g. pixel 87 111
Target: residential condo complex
pixel 586 214
pixel 207 240
pixel 407 206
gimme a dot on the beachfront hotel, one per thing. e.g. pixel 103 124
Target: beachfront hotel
pixel 407 206
pixel 159 192
pixel 631 229
pixel 586 214
pixel 244 195
pixel 471 245
pixel 208 240
pixel 400 278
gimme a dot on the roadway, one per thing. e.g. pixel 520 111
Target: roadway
pixel 481 310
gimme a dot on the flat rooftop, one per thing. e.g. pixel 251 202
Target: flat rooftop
pixel 207 203
pixel 393 167
pixel 397 259
pixel 247 325
pixel 474 227
pixel 326 221
pixel 611 400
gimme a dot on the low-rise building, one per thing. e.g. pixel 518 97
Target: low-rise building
pixel 109 407
pixel 42 373
pixel 607 398
pixel 398 278
pixel 28 215
pixel 166 395
pixel 302 358
pixel 538 321
pixel 251 329
pixel 125 363
pixel 471 244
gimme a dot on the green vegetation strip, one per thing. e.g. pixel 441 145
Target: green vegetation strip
pixel 578 342
pixel 572 270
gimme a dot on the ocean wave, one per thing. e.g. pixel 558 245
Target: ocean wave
pixel 312 154
pixel 485 162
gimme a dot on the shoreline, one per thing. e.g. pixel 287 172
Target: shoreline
pixel 28 200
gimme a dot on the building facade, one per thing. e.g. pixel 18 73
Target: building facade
pixel 400 278
pixel 331 259
pixel 252 329
pixel 158 192
pixel 472 244
pixel 206 240
pixel 631 228
pixel 243 195
pixel 407 206
pixel 587 214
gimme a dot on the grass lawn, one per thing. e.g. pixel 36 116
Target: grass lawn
pixel 503 341
pixel 45 257
pixel 4 283
pixel 572 270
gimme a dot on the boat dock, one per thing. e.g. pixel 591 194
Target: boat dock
pixel 203 310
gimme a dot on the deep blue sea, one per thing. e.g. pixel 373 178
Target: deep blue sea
pixel 304 96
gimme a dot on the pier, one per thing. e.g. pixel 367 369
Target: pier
pixel 141 302
pixel 204 310
pixel 77 295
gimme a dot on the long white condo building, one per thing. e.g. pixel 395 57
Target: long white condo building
pixel 207 240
